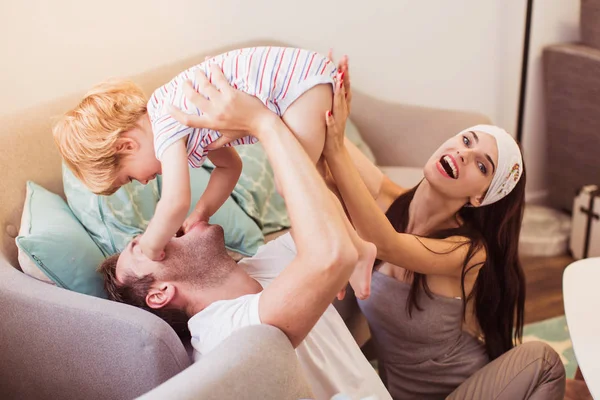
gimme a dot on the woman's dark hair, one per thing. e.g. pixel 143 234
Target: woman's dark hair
pixel 499 291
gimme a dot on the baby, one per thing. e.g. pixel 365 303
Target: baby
pixel 116 135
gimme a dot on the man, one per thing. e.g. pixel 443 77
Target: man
pixel 289 283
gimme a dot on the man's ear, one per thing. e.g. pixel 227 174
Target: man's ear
pixel 161 296
pixel 126 145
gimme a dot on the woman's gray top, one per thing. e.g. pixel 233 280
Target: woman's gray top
pixel 426 356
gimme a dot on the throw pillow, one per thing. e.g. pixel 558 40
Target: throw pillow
pixel 52 240
pixel 112 221
pixel 255 191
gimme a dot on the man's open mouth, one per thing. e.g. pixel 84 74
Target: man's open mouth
pixel 449 166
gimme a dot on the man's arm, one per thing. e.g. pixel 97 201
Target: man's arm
pixel 296 299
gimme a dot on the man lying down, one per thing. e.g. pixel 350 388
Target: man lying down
pixel 290 283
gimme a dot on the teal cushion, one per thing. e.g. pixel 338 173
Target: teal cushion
pixel 242 234
pixel 53 238
pixel 255 191
pixel 112 221
pixel 354 136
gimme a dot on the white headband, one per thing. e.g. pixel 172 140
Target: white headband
pixel 510 163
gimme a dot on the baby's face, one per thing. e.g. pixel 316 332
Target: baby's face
pixel 138 161
pixel 141 166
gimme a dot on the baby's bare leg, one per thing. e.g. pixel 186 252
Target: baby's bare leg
pixel 306 119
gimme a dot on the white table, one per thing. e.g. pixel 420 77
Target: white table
pixel 581 291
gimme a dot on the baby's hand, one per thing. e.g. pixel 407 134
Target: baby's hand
pixel 151 253
pixel 195 217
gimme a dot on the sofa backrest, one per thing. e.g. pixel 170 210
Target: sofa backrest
pixel 398 134
pixel 28 151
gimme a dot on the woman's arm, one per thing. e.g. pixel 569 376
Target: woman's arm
pixel 381 188
pixel 428 256
pixel 423 255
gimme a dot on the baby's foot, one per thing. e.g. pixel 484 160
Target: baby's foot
pixel 360 280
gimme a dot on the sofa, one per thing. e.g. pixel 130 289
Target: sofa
pixel 58 344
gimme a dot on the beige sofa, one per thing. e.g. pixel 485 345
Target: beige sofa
pixel 60 344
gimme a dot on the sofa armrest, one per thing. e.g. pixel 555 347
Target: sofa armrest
pixel 58 344
pixel 406 135
pixel 257 362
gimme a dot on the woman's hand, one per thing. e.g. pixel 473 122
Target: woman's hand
pixel 344 74
pixel 231 112
pixel 336 119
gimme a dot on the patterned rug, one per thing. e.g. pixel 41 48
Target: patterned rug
pixel 554 331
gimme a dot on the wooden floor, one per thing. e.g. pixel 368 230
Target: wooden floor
pixel 544 286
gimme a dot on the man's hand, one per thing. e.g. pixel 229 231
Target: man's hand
pixel 231 112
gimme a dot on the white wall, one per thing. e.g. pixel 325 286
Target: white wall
pixel 463 54
pixel 436 53
pixel 553 21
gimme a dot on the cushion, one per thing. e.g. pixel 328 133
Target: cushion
pixel 242 234
pixel 112 221
pixel 255 191
pixel 353 135
pixel 54 246
pixel 28 265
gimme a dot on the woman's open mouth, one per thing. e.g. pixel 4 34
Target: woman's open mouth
pixel 449 166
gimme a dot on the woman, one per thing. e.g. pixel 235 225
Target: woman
pixel 447 295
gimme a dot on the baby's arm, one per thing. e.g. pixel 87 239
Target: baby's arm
pixel 174 202
pixel 228 167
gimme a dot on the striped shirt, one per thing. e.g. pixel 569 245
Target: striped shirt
pixel 276 75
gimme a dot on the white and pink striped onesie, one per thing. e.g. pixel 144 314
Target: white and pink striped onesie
pixel 276 75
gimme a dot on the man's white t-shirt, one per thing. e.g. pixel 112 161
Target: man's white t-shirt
pixel 330 358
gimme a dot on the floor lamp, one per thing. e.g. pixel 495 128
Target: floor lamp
pixel 524 65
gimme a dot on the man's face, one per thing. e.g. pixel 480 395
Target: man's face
pixel 189 259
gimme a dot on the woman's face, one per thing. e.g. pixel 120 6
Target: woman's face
pixel 463 167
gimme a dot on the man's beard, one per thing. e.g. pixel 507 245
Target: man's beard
pixel 204 273
pixel 202 262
